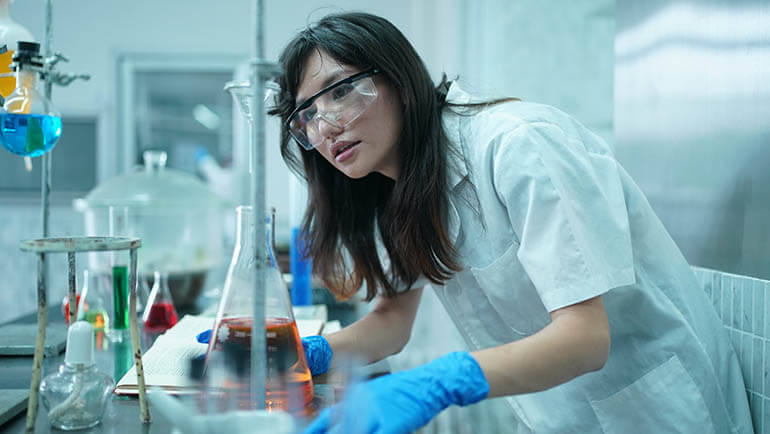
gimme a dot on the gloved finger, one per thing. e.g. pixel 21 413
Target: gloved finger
pixel 204 337
pixel 321 423
pixel 318 353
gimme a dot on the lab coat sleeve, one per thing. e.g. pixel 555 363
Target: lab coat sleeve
pixel 565 201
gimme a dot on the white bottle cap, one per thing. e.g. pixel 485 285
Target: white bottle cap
pixel 80 344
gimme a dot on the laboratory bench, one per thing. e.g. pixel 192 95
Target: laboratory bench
pixel 122 413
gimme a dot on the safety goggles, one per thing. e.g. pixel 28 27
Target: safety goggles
pixel 339 104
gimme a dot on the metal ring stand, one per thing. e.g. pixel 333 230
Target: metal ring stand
pixel 72 245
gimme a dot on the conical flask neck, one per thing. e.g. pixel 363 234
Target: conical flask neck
pixel 245 235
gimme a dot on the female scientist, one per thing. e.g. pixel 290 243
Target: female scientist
pixel 575 302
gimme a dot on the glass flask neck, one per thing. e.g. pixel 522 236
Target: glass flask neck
pixel 237 293
pixel 76 368
pixel 25 98
pixel 160 289
pixel 244 236
pixel 26 78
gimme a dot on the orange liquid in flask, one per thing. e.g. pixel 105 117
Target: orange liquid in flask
pixel 289 385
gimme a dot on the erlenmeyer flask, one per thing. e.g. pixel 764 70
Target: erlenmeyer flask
pixel 159 313
pixel 288 385
pixel 29 125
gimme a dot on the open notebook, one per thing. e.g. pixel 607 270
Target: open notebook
pixel 166 363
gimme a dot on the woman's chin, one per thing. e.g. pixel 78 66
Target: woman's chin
pixel 354 171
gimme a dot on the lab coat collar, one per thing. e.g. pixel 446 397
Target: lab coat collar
pixel 452 122
pixel 457 170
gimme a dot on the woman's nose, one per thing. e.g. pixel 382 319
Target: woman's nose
pixel 328 127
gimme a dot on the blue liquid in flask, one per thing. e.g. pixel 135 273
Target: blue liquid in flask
pixel 29 135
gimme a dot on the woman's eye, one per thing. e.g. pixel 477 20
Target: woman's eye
pixel 341 91
pixel 307 115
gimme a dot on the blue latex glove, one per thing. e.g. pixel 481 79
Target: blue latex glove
pixel 203 337
pixel 317 351
pixel 406 401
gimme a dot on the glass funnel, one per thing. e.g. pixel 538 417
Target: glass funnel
pixel 243 94
pixel 288 383
pixel 29 125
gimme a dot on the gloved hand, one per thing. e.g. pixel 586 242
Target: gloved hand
pixel 317 351
pixel 318 354
pixel 405 401
pixel 204 336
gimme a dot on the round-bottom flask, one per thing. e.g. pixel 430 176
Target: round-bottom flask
pixel 29 125
pixel 288 383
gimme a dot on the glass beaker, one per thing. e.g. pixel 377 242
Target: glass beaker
pixel 288 383
pixel 29 125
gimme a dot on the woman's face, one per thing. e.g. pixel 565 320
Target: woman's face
pixel 373 135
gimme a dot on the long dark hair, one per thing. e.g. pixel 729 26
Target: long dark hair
pixel 410 212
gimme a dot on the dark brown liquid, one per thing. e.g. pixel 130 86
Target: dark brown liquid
pixel 289 385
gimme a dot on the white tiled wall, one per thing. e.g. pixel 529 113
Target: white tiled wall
pixel 743 304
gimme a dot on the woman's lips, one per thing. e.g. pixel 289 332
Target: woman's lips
pixel 346 151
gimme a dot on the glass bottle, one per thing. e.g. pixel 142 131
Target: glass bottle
pixel 159 313
pixel 29 125
pixel 76 395
pixel 288 383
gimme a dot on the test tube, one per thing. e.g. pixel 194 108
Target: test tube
pixel 120 297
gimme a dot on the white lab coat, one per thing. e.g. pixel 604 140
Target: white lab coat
pixel 543 216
